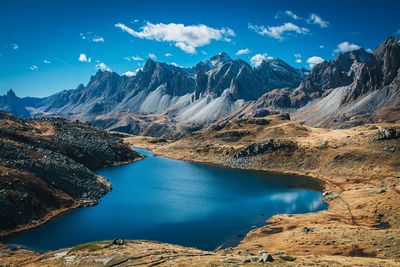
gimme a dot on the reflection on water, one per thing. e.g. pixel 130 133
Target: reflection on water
pixel 192 204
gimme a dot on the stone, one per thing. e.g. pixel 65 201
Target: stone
pixel 118 241
pixel 286 257
pixel 308 229
pixel 266 257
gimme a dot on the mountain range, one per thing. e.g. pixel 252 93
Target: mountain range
pixel 168 101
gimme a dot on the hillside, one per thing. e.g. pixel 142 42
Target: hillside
pixel 358 166
pixel 47 167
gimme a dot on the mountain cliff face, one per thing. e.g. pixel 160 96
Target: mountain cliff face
pixel 160 95
pixel 354 88
pixel 169 101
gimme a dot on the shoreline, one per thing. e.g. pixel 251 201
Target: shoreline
pixel 348 231
pixel 103 180
pixel 77 204
pixel 359 184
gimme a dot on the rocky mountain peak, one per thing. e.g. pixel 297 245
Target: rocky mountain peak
pixel 220 59
pixel 10 94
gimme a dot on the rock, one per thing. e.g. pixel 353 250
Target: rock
pixel 266 257
pixel 284 116
pixel 382 190
pixel 308 229
pixel 286 257
pixel 260 113
pixel 387 134
pixel 255 149
pixel 118 241
pixel 246 260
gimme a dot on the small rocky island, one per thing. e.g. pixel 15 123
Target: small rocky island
pixel 47 167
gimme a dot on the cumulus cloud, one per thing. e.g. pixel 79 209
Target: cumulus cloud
pixel 346 47
pixel 176 64
pixel 315 19
pixel 134 58
pixel 312 19
pixel 369 50
pixel 152 56
pixel 84 58
pixel 297 57
pixel 292 15
pixel 91 37
pixel 243 52
pixel 130 73
pixel 46 61
pixel 34 67
pixel 278 32
pixel 98 39
pixel 168 55
pixel 102 66
pixel 186 38
pixel 321 46
pixel 314 60
pixel 257 59
pixel 15 46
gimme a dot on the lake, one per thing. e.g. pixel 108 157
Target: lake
pixel 179 202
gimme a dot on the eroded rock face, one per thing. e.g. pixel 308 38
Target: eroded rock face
pixel 47 165
pixel 387 134
pixel 270 145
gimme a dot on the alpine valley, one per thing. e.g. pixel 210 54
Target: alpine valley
pixel 325 142
pixel 163 100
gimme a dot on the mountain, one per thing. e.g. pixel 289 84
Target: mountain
pixel 162 98
pixel 354 88
pixel 169 101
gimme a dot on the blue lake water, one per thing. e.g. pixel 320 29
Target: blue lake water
pixel 179 202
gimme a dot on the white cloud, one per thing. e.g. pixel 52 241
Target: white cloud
pixel 34 67
pixel 321 46
pixel 46 61
pixel 98 39
pixel 168 55
pixel 346 47
pixel 297 57
pixel 292 15
pixel 257 59
pixel 369 50
pixel 91 37
pixel 152 56
pixel 312 19
pixel 314 60
pixel 186 48
pixel 129 73
pixel 134 58
pixel 15 46
pixel 102 66
pixel 278 32
pixel 186 38
pixel 176 65
pixel 84 58
pixel 315 19
pixel 243 52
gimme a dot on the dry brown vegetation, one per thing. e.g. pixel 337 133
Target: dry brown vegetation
pixel 361 177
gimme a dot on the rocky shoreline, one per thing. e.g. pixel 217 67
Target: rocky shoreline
pixel 47 167
pixel 360 172
pixel 358 167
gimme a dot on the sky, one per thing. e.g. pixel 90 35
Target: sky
pixel 50 45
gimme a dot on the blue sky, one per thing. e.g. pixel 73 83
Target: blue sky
pixel 42 41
